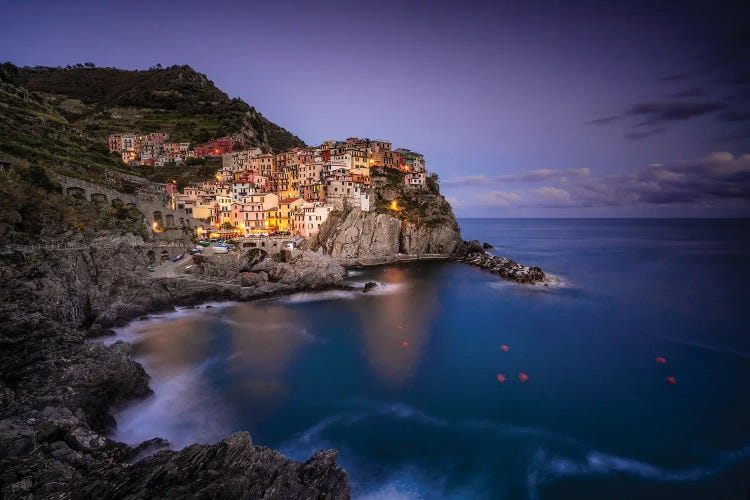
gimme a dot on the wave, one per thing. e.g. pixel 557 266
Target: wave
pixel 709 347
pixel 546 469
pixel 180 410
pixel 304 297
pixel 579 459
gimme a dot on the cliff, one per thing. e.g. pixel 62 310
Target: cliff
pixel 358 234
pixel 401 220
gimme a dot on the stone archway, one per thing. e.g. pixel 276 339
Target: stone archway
pixel 158 218
pixel 151 257
pixel 117 203
pixel 76 192
pixel 164 255
pixel 170 220
pixel 99 199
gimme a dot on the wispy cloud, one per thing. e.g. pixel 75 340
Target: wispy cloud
pixel 717 178
pixel 670 111
pixel 642 134
pixel 604 121
pixel 531 176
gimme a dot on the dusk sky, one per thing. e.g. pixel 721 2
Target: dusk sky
pixel 551 110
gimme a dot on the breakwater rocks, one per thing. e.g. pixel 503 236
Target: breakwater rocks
pixel 58 390
pixel 473 253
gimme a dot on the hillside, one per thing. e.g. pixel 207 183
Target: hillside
pixel 177 99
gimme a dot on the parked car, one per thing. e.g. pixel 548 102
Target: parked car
pixel 151 268
pixel 195 250
pixel 179 258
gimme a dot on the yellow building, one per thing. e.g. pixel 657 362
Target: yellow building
pixel 284 216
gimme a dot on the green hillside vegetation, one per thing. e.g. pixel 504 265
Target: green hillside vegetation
pixel 31 131
pixel 177 100
pixel 418 206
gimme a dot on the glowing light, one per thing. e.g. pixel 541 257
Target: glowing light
pixel 394 206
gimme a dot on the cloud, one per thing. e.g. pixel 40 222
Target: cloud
pixel 604 121
pixel 675 78
pixel 531 176
pixel 735 115
pixel 642 134
pixel 715 179
pixel 550 196
pixel 657 112
pixel 499 199
pixel 694 91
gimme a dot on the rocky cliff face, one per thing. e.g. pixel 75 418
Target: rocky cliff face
pixel 370 234
pixel 57 389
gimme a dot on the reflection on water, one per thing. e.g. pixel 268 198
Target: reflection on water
pixel 396 327
pixel 219 370
pixel 264 340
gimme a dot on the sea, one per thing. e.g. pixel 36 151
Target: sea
pixel 635 368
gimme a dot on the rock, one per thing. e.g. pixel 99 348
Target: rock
pixel 250 279
pixel 487 246
pixel 504 267
pixel 370 285
pixel 96 330
pixel 369 234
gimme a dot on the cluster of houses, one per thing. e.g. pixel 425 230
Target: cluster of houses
pixel 155 149
pixel 256 193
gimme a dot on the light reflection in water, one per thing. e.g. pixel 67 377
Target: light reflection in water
pixel 392 321
pixel 265 340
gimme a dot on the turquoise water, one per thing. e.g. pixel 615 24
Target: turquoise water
pixel 429 419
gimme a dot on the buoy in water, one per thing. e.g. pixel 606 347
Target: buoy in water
pixel 523 377
pixel 671 380
pixel 500 378
pixel 661 360
pixel 404 344
pixel 504 348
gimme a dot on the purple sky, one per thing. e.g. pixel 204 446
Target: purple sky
pixel 551 110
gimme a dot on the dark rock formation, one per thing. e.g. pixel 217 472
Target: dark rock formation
pixel 506 268
pixel 370 285
pixel 487 246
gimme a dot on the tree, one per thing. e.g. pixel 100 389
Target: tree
pixel 227 225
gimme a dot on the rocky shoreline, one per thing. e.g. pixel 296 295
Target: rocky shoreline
pixel 58 390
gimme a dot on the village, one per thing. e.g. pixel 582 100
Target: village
pixel 261 194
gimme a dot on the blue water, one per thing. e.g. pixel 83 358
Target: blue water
pixel 596 418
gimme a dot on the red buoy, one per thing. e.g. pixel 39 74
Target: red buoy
pixel 404 344
pixel 523 377
pixel 661 360
pixel 671 380
pixel 500 378
pixel 505 348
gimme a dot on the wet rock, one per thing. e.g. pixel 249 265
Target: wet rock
pixel 370 285
pixel 487 246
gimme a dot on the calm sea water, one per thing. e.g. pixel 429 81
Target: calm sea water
pixel 404 382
